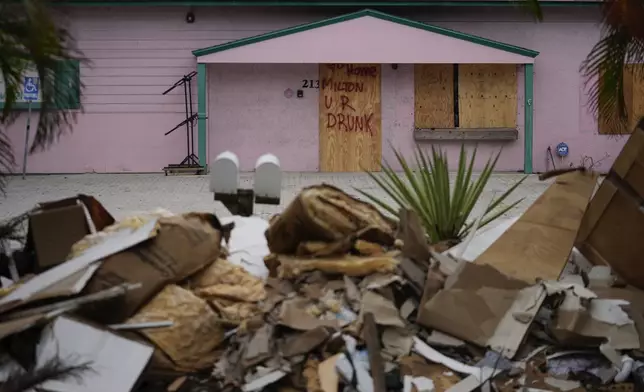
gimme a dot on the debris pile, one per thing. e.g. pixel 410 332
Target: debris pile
pixel 330 295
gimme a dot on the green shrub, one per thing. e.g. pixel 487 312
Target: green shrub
pixel 425 189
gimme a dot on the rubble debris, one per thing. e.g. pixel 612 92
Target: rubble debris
pixel 290 267
pixel 329 378
pixel 192 318
pixel 354 368
pixel 372 340
pixel 324 213
pixel 182 246
pixel 73 272
pixel 305 342
pixel 265 380
pixel 332 295
pixel 224 280
pixel 415 366
pixel 438 338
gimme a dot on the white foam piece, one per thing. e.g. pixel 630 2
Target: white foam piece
pixel 248 245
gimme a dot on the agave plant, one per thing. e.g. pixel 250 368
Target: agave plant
pixel 425 189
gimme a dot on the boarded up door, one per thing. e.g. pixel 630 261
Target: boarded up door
pixel 350 118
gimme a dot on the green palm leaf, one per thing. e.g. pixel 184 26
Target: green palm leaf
pixel 30 36
pixel 425 188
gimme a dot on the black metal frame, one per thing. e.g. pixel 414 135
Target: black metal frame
pixel 191 160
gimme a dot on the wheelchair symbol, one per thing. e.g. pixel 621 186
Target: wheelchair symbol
pixel 30 88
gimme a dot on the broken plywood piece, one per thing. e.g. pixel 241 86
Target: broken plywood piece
pixel 483 304
pixel 539 243
pixel 611 230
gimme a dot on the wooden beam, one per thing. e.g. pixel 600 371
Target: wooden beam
pixel 489 134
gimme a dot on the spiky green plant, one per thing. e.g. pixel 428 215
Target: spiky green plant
pixel 425 189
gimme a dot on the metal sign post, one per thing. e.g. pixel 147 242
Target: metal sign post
pixel 24 158
pixel 29 94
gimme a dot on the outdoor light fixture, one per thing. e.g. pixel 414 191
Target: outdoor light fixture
pixel 394 66
pixel 190 17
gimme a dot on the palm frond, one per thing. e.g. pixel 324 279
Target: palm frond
pixel 13 229
pixel 54 369
pixel 443 210
pixel 30 37
pixel 621 43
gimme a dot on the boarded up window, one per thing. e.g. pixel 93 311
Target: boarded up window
pixel 633 98
pixel 487 96
pixel 434 95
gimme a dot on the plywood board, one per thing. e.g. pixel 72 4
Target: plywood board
pixel 487 95
pixel 350 118
pixel 613 227
pixel 633 99
pixel 538 244
pixel 434 95
pixel 634 94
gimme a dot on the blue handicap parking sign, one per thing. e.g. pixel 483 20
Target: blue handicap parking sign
pixel 30 88
pixel 562 149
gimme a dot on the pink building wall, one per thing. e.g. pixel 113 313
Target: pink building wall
pixel 249 114
pixel 138 52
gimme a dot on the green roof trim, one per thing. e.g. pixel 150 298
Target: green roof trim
pixel 375 14
pixel 318 3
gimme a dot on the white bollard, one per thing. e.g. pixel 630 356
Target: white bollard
pixel 224 174
pixel 268 180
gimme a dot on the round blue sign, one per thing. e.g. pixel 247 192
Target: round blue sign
pixel 562 149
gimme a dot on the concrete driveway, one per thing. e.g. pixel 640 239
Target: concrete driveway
pixel 126 194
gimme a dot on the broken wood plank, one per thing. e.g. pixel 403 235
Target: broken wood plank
pixel 375 358
pixel 539 243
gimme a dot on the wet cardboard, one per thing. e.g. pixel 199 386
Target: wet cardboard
pixel 473 303
pixel 180 248
pixel 55 226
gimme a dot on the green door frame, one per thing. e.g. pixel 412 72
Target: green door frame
pixel 528 113
pixel 202 114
